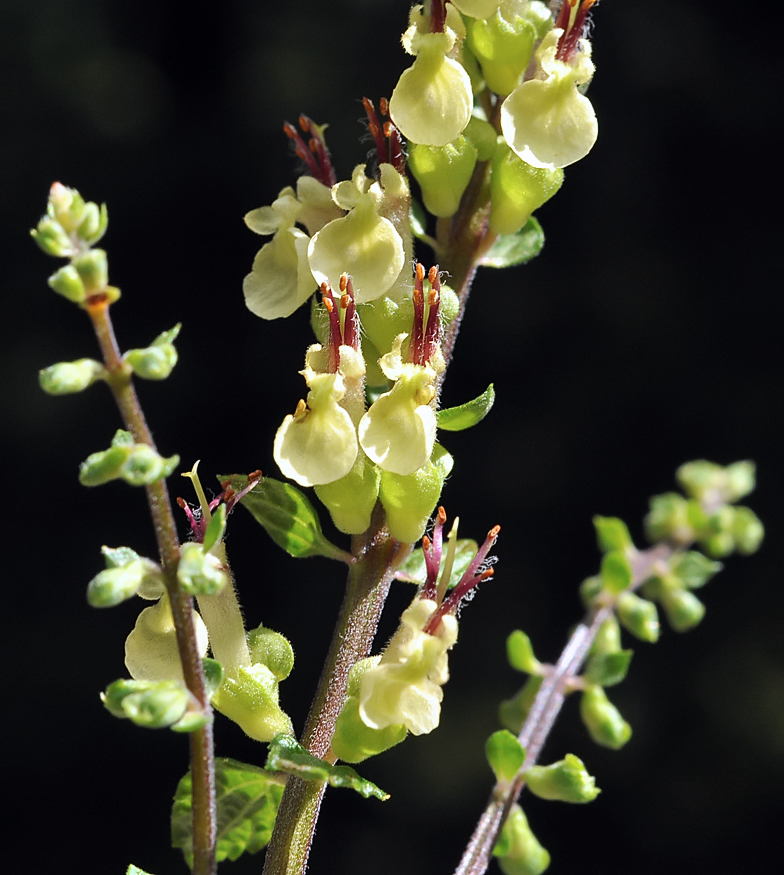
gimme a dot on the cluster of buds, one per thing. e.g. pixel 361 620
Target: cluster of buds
pixel 401 690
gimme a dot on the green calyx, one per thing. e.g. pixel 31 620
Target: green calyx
pixel 249 697
pixel 156 361
pixel 66 378
pixel 517 850
pixel 602 719
pixel 200 572
pixel 503 47
pixel 517 189
pixel 355 741
pixel 125 574
pixel 137 464
pixel 409 499
pixel 443 173
pixel 351 499
pixel 564 781
pixel 153 704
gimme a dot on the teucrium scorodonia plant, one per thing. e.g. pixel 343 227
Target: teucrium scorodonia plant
pixel 480 127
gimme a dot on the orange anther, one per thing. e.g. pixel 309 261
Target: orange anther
pixel 343 282
pixel 493 533
pixel 328 304
pixel 182 503
pixel 303 123
pixel 420 271
pixel 384 106
pixel 426 542
pixel 432 274
pixel 344 301
pixel 441 515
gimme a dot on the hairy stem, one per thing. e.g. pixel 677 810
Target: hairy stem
pixel 377 555
pixel 543 714
pixel 201 743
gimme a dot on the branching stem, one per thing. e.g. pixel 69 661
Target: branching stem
pixel 543 714
pixel 202 754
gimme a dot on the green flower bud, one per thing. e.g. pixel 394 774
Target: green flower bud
pixel 93 224
pixel 564 781
pixel 156 361
pixel 716 537
pixel 151 704
pixel 350 500
pixel 517 848
pixel 249 697
pixel 668 519
pixel 701 479
pixel 53 239
pixel 144 465
pixel 608 669
pixel 602 719
pixel 271 649
pixel 503 46
pixel 638 616
pixel 93 270
pixel 517 189
pixel 684 610
pixel 106 465
pixel 443 173
pixel 513 712
pixel 739 480
pixel 200 573
pixel 66 378
pixel 616 571
pixel 65 206
pixel 589 589
pixel 409 499
pixel 115 585
pixel 608 638
pixel 747 531
pixel 355 741
pixel 68 283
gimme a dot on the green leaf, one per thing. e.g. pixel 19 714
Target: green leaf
pixel 520 653
pixel 616 571
pixel 287 515
pixel 247 802
pixel 216 528
pixel 608 669
pixel 287 755
pixel 511 249
pixel 612 533
pixel 413 570
pixel 465 415
pixel 505 754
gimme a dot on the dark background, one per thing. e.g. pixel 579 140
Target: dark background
pixel 646 334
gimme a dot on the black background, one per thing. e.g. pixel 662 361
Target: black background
pixel 646 334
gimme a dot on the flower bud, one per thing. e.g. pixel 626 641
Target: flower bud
pixel 517 849
pixel 271 649
pixel 53 239
pixel 144 465
pixel 355 741
pixel 517 189
pixel 93 223
pixel 200 573
pixel 608 638
pixel 739 480
pixel 668 519
pixel 153 705
pixel 602 719
pixel 68 283
pixel 502 44
pixel 115 585
pixel 684 610
pixel 638 616
pixel 156 361
pixel 409 499
pixel 443 173
pixel 747 530
pixel 93 270
pixel 65 378
pixel 249 697
pixel 564 781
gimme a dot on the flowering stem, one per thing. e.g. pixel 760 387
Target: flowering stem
pixel 377 556
pixel 202 755
pixel 543 714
